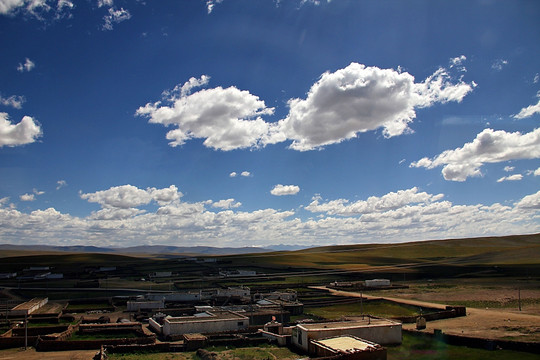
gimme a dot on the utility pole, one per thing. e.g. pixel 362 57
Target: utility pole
pixel 519 299
pixel 26 330
pixel 361 305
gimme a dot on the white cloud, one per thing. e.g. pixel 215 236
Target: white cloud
pixel 226 204
pixel 60 184
pixel 25 132
pixel 537 172
pixel 129 196
pixel 499 64
pixel 528 111
pixel 116 213
pixel 489 146
pixel 457 60
pixel 115 16
pixel 280 190
pixel 373 204
pixel 243 173
pixel 530 202
pixel 27 197
pixel 28 65
pixel 38 192
pixel 14 101
pixel 509 168
pixel 393 217
pixel 338 106
pixel 226 118
pixel 358 98
pixel 166 195
pixel 210 4
pixel 536 78
pixel 107 3
pixel 515 177
pixel 312 2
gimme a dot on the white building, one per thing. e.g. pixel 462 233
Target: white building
pixel 145 305
pixel 380 331
pixel 203 323
pixel 377 283
pixel 161 274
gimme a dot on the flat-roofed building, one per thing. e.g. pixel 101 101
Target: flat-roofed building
pixel 348 347
pixel 379 331
pixel 204 323
pixel 29 307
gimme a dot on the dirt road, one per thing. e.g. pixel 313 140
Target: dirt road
pixel 31 354
pixel 485 323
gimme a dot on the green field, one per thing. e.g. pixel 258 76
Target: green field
pixel 379 308
pixel 420 348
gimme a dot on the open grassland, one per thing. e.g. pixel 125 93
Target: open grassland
pixel 510 256
pixel 514 250
pixel 379 308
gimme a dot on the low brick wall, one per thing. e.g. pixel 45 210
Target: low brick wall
pixel 42 330
pixel 17 341
pixel 53 345
pixel 450 312
pixel 480 343
pixel 129 349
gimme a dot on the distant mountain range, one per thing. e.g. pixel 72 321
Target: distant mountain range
pixel 151 249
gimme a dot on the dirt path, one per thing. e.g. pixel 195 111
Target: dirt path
pixel 31 354
pixel 486 323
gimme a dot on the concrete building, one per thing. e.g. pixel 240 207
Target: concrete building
pixel 29 306
pixel 377 283
pixel 237 273
pixel 203 323
pixel 348 347
pixel 176 296
pixel 145 305
pixel 379 331
pixel 161 274
pixel 8 275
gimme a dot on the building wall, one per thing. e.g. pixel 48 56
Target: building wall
pixel 145 305
pixel 205 325
pixel 155 325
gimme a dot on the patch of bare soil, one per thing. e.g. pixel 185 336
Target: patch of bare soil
pixel 31 354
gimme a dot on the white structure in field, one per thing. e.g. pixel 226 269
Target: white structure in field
pixel 161 274
pixel 203 323
pixel 145 305
pixel 377 283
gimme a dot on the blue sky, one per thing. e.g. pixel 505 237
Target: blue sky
pixel 256 123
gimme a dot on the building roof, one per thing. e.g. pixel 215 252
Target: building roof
pixel 209 316
pixel 347 344
pixel 367 322
pixel 29 304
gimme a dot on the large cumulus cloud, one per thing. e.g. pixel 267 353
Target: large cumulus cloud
pixel 489 146
pixel 341 104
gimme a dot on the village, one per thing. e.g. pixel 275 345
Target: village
pixel 277 306
pixel 178 321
